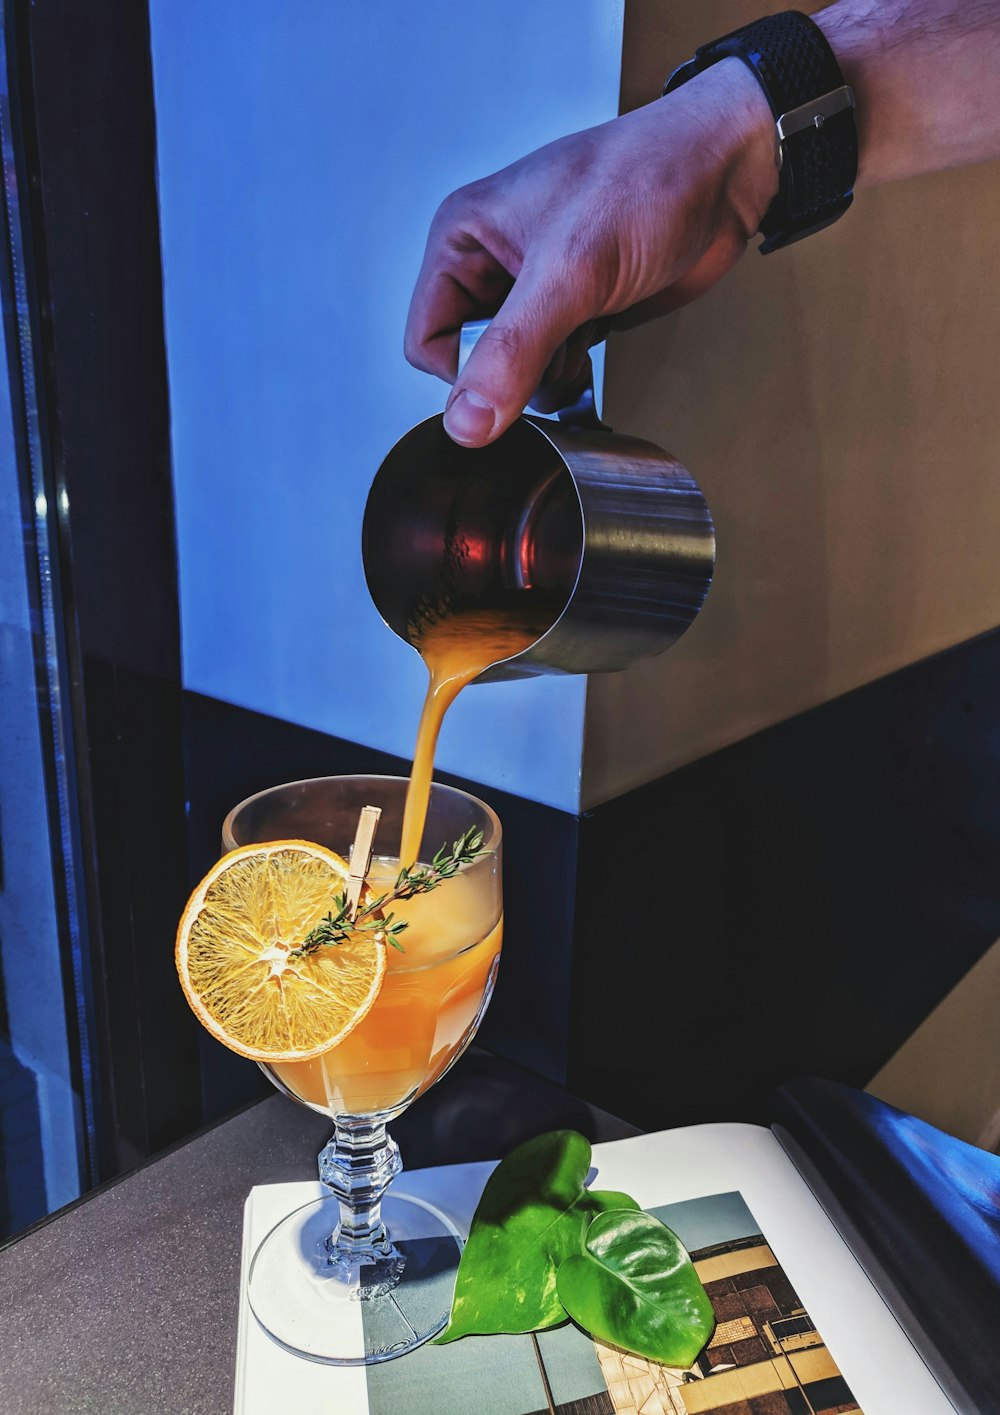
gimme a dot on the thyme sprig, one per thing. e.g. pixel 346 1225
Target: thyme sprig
pixel 338 926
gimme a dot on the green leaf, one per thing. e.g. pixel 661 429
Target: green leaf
pixel 635 1286
pixel 533 1213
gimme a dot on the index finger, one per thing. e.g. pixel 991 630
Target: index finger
pixel 459 280
pixel 441 304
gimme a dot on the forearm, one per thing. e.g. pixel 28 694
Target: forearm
pixel 926 76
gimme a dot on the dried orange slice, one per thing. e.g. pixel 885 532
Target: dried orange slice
pixel 248 914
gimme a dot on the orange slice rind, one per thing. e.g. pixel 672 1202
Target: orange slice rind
pixel 252 909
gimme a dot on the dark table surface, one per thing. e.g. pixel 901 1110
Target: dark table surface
pixel 125 1303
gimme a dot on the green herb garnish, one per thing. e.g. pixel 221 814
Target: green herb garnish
pixel 337 926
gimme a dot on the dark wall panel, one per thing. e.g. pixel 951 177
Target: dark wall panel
pixel 796 904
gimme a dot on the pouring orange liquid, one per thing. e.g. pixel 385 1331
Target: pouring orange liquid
pixel 456 650
pixel 435 992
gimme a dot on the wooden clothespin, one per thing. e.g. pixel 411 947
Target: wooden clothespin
pixel 361 856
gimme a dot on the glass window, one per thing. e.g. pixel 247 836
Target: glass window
pixel 42 1069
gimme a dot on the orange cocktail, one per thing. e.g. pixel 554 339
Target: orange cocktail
pixel 311 1271
pixel 426 1012
pixel 436 989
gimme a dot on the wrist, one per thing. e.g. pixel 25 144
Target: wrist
pixel 816 151
pixel 754 163
pixel 739 126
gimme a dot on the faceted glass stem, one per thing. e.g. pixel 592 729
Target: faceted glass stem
pixel 357 1166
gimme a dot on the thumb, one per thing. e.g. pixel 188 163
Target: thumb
pixel 507 364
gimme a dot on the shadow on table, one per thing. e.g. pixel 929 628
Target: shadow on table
pixel 487 1106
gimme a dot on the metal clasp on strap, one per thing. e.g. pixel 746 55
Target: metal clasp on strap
pixel 814 113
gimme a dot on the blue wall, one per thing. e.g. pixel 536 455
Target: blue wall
pixel 303 148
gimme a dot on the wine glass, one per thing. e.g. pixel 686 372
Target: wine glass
pixel 389 1258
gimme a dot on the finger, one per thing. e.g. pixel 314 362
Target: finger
pixel 564 392
pixel 431 339
pixel 570 370
pixel 459 280
pixel 509 361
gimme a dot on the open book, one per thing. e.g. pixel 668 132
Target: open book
pixel 851 1254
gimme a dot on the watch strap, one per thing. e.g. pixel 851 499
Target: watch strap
pixel 814 117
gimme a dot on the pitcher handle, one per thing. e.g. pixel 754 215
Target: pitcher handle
pixel 581 413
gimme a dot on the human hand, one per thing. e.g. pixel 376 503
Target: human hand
pixel 616 224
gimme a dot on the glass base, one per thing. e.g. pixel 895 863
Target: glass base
pixel 350 1312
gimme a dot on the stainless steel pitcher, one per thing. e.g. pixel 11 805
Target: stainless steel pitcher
pixel 610 533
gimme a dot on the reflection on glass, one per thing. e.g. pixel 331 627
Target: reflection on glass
pixel 42 1078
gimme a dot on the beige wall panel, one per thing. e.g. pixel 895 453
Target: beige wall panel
pixel 839 402
pixel 948 1071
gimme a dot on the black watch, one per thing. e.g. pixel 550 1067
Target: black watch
pixel 813 108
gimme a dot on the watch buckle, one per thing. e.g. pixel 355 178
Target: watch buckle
pixel 814 113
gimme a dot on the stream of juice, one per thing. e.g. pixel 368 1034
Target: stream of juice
pixel 456 650
pixel 433 993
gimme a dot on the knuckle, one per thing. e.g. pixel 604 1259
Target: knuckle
pixel 506 355
pixel 456 206
pixel 412 352
pixel 448 208
pixel 417 352
pixel 464 212
pixel 418 356
pixel 506 338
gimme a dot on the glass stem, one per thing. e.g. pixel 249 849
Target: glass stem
pixel 358 1165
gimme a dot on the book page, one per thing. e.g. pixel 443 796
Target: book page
pixel 884 1373
pixel 737 1201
